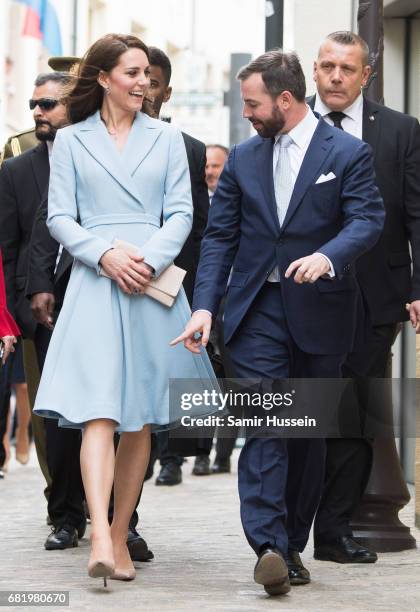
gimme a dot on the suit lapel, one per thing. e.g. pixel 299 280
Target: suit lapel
pixel 371 123
pixel 318 150
pixel 41 167
pixel 140 142
pixel 264 163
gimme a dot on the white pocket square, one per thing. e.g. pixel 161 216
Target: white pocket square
pixel 325 177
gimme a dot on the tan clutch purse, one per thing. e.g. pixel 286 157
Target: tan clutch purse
pixel 165 287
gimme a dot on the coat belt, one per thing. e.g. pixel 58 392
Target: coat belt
pixel 112 219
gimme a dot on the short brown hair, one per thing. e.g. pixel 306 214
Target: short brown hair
pixel 279 71
pixel 87 95
pixel 345 37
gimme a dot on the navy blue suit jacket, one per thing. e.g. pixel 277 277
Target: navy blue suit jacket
pixel 341 218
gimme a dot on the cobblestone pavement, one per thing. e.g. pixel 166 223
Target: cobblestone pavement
pixel 202 561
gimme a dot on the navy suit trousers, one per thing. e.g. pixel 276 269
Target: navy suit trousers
pixel 280 480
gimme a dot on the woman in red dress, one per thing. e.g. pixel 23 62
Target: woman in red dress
pixel 8 328
pixel 8 332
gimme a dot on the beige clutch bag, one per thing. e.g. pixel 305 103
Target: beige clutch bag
pixel 166 287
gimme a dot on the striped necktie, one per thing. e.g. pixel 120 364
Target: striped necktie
pixel 283 180
pixel 283 188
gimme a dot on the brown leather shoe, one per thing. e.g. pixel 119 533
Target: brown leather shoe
pixel 271 571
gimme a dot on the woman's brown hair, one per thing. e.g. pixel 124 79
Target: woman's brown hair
pixel 86 97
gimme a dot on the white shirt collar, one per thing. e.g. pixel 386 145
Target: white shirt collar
pixel 50 144
pixel 302 133
pixel 353 111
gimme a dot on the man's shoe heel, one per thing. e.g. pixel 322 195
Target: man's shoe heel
pixel 270 569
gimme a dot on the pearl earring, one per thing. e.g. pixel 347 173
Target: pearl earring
pixel 107 90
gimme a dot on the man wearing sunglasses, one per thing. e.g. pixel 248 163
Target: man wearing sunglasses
pixel 22 141
pixel 23 183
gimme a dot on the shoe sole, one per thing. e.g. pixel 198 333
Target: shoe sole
pixel 299 581
pixel 201 473
pixel 124 576
pixel 324 556
pixel 272 573
pixel 278 589
pixel 167 484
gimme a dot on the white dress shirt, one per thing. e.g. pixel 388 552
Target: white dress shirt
pixel 352 122
pixel 301 135
pixel 50 144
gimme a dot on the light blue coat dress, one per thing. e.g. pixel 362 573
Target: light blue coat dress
pixel 109 355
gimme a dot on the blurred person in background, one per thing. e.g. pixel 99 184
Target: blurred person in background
pixel 22 418
pixel 9 332
pixel 216 158
pixel 19 422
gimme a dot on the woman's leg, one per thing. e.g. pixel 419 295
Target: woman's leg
pixel 6 440
pixel 97 461
pixel 23 419
pixel 131 464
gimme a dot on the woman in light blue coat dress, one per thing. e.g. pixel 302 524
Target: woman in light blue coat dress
pixel 116 174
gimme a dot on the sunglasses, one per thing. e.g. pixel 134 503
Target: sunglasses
pixel 44 104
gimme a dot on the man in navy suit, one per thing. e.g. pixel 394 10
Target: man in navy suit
pixel 294 208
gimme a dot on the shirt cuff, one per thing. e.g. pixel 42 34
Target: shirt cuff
pixel 203 310
pixel 331 271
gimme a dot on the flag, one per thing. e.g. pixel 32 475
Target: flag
pixel 41 22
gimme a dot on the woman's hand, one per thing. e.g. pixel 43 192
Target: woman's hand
pixel 8 342
pixel 129 271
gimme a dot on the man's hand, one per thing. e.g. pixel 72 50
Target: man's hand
pixel 42 308
pixel 309 268
pixel 200 322
pixel 414 311
pixel 8 342
pixel 129 271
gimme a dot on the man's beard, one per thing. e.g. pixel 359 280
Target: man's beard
pixel 45 135
pixel 273 125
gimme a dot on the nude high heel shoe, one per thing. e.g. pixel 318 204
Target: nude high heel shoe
pixel 123 574
pixel 101 569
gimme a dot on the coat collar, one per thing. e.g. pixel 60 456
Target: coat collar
pixel 41 167
pixel 121 166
